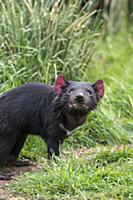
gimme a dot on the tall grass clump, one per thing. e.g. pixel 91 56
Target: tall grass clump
pixel 37 42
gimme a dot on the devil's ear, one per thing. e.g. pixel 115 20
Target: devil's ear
pixel 59 83
pixel 99 88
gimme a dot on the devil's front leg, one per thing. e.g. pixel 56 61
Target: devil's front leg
pixel 55 138
pixel 53 147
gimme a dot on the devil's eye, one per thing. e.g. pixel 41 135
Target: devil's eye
pixel 69 91
pixel 90 92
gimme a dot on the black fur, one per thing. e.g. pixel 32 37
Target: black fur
pixel 39 109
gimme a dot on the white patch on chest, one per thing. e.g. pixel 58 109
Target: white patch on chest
pixel 68 131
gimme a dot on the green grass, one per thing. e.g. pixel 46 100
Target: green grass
pixel 36 44
pixel 113 63
pixel 104 173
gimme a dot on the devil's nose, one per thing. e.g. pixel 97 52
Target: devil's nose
pixel 79 98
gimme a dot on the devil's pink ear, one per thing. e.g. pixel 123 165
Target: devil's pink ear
pixel 59 83
pixel 99 88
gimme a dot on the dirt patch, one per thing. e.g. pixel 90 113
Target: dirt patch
pixel 92 152
pixel 79 152
pixel 5 194
pixel 16 172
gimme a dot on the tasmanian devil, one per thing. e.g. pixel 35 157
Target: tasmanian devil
pixel 51 112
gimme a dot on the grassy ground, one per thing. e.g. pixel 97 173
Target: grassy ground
pixel 36 45
pixel 100 173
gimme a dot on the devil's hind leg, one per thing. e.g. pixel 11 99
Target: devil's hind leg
pixel 16 150
pixel 6 145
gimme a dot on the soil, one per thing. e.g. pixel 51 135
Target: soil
pixel 16 172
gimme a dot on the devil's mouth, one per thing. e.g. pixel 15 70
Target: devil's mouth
pixel 78 107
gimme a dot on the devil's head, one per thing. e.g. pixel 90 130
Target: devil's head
pixel 77 97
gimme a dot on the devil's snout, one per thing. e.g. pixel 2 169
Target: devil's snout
pixel 79 98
